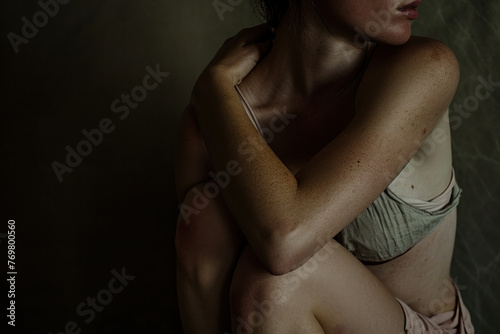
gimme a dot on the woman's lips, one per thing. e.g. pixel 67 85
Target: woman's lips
pixel 410 10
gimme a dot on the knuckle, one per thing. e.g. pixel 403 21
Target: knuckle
pixel 228 41
pixel 244 31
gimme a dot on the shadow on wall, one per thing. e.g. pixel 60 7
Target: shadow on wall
pixel 92 99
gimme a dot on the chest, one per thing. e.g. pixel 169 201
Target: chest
pixel 297 134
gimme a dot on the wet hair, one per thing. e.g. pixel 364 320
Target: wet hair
pixel 273 11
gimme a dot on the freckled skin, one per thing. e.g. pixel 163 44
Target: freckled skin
pixel 319 173
pixel 435 55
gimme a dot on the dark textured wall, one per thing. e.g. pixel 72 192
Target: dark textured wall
pixel 472 30
pixel 116 210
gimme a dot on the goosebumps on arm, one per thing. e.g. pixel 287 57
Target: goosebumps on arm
pixel 404 92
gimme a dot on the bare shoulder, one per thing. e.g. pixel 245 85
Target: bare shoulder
pixel 423 51
pixel 412 85
pixel 422 68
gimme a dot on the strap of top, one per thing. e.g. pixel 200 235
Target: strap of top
pixel 249 111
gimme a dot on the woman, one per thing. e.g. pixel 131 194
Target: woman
pixel 339 215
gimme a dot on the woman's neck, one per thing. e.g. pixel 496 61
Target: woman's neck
pixel 304 64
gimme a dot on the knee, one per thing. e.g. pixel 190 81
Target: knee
pixel 193 257
pixel 255 294
pixel 251 305
pixel 187 254
pixel 205 242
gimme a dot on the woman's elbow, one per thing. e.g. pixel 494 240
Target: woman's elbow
pixel 281 253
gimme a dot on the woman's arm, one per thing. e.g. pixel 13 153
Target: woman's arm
pixel 207 241
pixel 404 92
pixel 192 163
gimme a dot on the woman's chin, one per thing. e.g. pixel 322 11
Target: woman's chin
pixel 397 36
pixel 400 40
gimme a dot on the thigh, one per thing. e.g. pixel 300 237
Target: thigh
pixel 333 287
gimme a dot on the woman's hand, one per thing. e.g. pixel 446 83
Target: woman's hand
pixel 239 55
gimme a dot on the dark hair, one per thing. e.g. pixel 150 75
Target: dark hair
pixel 273 11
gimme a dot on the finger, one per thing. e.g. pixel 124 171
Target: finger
pixel 259 33
pixel 261 48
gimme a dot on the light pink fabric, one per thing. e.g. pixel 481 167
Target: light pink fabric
pixel 437 202
pixel 457 321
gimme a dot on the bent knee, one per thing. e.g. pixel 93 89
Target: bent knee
pixel 206 238
pixel 253 283
pixel 251 306
pixel 254 290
